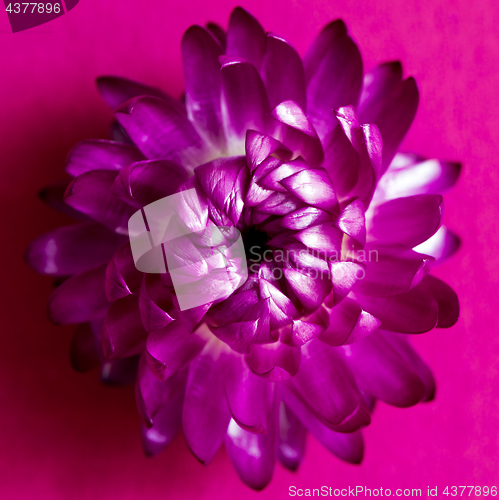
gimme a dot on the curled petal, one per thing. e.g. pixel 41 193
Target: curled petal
pixel 123 334
pixel 352 221
pixel 122 277
pixel 406 221
pixel 116 91
pixel 415 311
pixel 305 217
pixel 391 103
pixel 446 298
pixel 380 370
pixel 292 438
pixel 275 362
pixel 283 73
pixel 79 299
pixel 205 415
pixel 310 291
pixel 152 304
pixel 325 239
pixel 259 147
pixel 99 154
pixel 333 71
pixel 72 249
pixel 245 37
pixel 344 276
pixel 53 196
pixel 441 245
pixel 218 33
pixel 161 131
pixel 203 83
pixel 90 193
pixel 170 349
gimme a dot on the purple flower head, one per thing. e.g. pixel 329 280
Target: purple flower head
pixel 292 211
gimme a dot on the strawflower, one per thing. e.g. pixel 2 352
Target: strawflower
pixel 298 161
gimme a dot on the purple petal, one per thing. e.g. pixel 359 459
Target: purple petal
pixel 123 334
pixel 116 91
pixel 323 238
pixel 282 310
pixel 406 221
pixel 305 217
pixel 314 188
pixel 393 274
pixel 259 147
pixel 203 83
pixel 446 298
pixel 160 131
pixel 249 397
pixel 90 193
pixel 292 438
pixel 381 371
pixel 422 177
pixel 79 299
pixel 246 101
pixel 415 311
pixel 218 33
pixel 310 290
pixel 279 204
pixel 309 327
pixel 122 277
pixel 232 309
pixel 283 73
pixel 147 181
pixel 245 37
pixel 53 196
pixel 99 154
pixel 238 336
pixel 390 103
pixel 275 362
pixel 205 415
pixel 352 221
pixel 252 455
pixel 72 249
pixel 152 395
pixel 152 304
pixel 224 181
pixel 333 71
pixel 171 348
pixel 348 323
pixel 344 276
pixel 441 245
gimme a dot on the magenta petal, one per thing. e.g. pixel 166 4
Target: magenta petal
pixel 305 217
pixel 116 91
pixel 160 131
pixel 90 193
pixel 393 274
pixel 224 181
pixel 252 455
pixel 279 204
pixel 119 372
pixel 219 33
pixel 314 188
pixel 348 323
pixel 53 196
pixel 72 249
pixel 123 334
pixel 406 221
pixel 275 362
pixel 441 245
pixel 153 316
pixel 79 299
pixel 99 154
pixel 292 438
pixel 352 221
pixel 422 177
pixel 346 446
pixel 310 290
pixel 232 309
pixel 325 384
pixel 122 277
pixel 283 73
pixel 238 336
pixel 203 83
pixel 171 348
pixel 259 147
pixel 297 133
pixel 344 276
pixel 446 298
pixel 205 415
pixel 415 311
pixel 282 310
pixel 249 397
pixel 152 395
pixel 390 103
pixel 325 239
pixel 309 327
pixel 245 37
pixel 333 71
pixel 147 181
pixel 245 99
pixel 380 370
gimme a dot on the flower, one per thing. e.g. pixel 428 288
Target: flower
pixel 298 160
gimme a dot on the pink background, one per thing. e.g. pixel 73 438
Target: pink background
pixel 62 435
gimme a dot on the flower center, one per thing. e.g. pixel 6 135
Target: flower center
pixel 255 244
